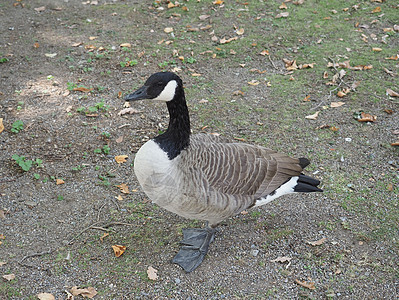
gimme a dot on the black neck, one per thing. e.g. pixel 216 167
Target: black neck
pixel 177 137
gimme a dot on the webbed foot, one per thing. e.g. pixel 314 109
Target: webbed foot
pixel 195 246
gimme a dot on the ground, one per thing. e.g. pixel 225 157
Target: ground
pixel 65 67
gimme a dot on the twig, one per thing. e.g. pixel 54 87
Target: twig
pixel 99 211
pixel 274 66
pixel 80 233
pixel 7 180
pixel 100 228
pixel 33 255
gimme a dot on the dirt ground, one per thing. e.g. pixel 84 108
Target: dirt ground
pixel 60 218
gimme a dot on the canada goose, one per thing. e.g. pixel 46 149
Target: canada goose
pixel 203 177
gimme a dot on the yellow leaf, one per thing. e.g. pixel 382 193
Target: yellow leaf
pixel 118 250
pixel 127 45
pixel 121 159
pixel 224 41
pixel 253 82
pixel 168 30
pixel 264 52
pixel 119 197
pixel 59 181
pixel 377 49
pixel 92 38
pixel 152 273
pixel 124 188
pixel 393 57
pixel 171 5
pixel 1 125
pixel 196 75
pixel 218 2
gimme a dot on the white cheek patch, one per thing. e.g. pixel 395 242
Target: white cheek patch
pixel 168 91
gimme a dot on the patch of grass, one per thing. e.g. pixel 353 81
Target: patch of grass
pixel 17 126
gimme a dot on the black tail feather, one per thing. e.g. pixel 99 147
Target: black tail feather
pixel 307 184
pixel 303 162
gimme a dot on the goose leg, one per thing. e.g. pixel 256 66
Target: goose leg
pixel 195 246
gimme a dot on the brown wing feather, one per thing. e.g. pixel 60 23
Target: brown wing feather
pixel 241 169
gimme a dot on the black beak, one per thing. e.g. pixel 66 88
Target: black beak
pixel 140 94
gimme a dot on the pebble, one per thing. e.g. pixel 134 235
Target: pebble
pixel 177 281
pixel 348 140
pixel 254 252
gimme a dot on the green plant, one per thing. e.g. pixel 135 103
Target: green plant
pixel 106 135
pixel 128 62
pixel 3 60
pixel 24 163
pixel 60 197
pixel 71 86
pixel 17 126
pixel 190 60
pixel 36 176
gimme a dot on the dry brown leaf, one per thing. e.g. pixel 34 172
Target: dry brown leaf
pixel 240 31
pixel 45 296
pixel 325 75
pixel 314 116
pixel 82 89
pixel 168 30
pixel 126 45
pixel 307 98
pixel 395 143
pixel 128 110
pixel 253 70
pixel 2 263
pixel 118 250
pixel 366 117
pixel 119 198
pixel 376 10
pixel 318 242
pixel 76 44
pixel 171 5
pixel 253 82
pixel 308 285
pixel 89 292
pixel 59 181
pixel 124 188
pixel 152 273
pixel 336 104
pixel 238 92
pixel 104 236
pixel 281 259
pixel 196 74
pixel 290 65
pixel 9 277
pixel 283 6
pixel 2 214
pixel 119 139
pixel 392 93
pixel 376 49
pixel 36 45
pixel 121 159
pixel 389 72
pixel 393 57
pixel 264 52
pixel 355 85
pixel 341 94
pixel 282 15
pixel 203 17
pixel 1 125
pixel 40 9
pixel 218 2
pixel 224 41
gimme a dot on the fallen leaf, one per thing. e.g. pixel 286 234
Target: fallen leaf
pixel 40 9
pixel 281 259
pixel 1 125
pixel 336 104
pixel 392 93
pixel 395 143
pixel 264 52
pixel 240 31
pixel 119 198
pixel 104 236
pixel 341 94
pixel 218 2
pixel 59 181
pixel 308 285
pixel 290 64
pixel 128 110
pixel 325 75
pixel 224 41
pixel 82 89
pixel 196 75
pixel 203 17
pixel 283 6
pixel 377 49
pixel 76 44
pixel 2 214
pixel 253 82
pixel 2 263
pixel 45 296
pixel 51 55
pixel 36 45
pixel 253 70
pixel 126 45
pixel 118 250
pixel 389 72
pixel 92 38
pixel 152 273
pixel 124 188
pixel 119 139
pixel 318 242
pixel 168 30
pixel 355 85
pixel 89 292
pixel 366 117
pixel 282 15
pixel 121 159
pixel 307 98
pixel 376 10
pixel 393 57
pixel 238 92
pixel 314 116
pixel 9 277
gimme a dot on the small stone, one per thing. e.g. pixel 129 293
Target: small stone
pixel 254 252
pixel 177 281
pixel 348 140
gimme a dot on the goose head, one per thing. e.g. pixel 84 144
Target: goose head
pixel 163 86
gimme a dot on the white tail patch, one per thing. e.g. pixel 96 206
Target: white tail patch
pixel 168 91
pixel 286 188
